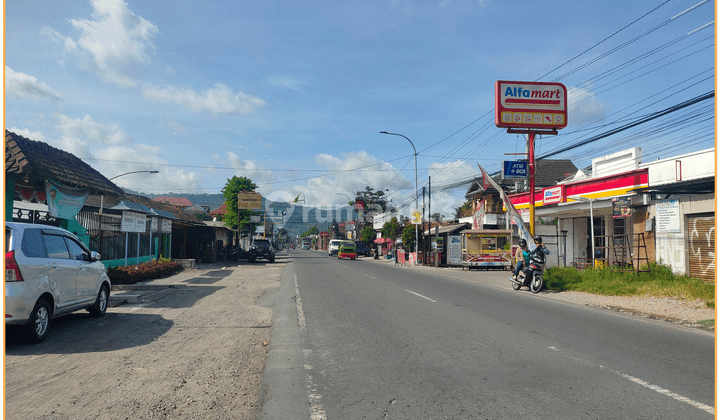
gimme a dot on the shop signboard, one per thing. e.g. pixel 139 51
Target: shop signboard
pixel 454 250
pixel 668 216
pixel 166 226
pixel 249 201
pixel 127 223
pixel 140 223
pixel 553 195
pixel 154 224
pixel 530 105
pixel 416 216
pixel 515 170
pixel 255 219
pixel 621 207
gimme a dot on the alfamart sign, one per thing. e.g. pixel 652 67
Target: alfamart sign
pixel 539 105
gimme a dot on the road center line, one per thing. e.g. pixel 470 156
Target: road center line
pixel 418 294
pixel 301 314
pixel 370 277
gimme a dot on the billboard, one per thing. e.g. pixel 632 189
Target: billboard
pixel 515 170
pixel 249 201
pixel 416 216
pixel 540 105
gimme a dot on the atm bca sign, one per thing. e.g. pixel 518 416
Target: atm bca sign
pixel 529 105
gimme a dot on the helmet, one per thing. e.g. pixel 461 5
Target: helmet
pixel 522 243
pixel 538 239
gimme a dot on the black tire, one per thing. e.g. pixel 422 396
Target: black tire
pixel 101 303
pixel 536 284
pixel 516 286
pixel 38 325
pixel 251 259
pixel 272 260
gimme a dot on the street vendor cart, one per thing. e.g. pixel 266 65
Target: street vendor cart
pixel 487 249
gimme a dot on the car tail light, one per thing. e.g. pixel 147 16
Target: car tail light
pixel 12 271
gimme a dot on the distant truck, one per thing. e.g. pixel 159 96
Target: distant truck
pixel 363 249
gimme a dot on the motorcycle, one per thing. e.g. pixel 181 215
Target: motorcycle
pixel 375 254
pixel 532 274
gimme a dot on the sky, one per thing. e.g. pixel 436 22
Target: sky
pixel 294 95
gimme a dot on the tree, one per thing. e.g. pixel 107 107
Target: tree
pixel 392 228
pixel 464 211
pixel 312 231
pixel 408 236
pixel 437 217
pixel 374 200
pixel 234 218
pixel 367 234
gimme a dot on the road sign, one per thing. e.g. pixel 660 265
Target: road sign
pixel 515 170
pixel 539 105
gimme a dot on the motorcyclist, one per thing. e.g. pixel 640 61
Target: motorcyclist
pixel 522 256
pixel 540 250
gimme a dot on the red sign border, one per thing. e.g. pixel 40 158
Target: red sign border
pixel 499 108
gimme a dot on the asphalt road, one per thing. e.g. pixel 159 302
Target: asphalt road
pixel 368 340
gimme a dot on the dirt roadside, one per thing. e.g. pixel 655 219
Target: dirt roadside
pixel 198 353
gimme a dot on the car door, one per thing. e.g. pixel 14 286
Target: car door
pixel 88 276
pixel 62 271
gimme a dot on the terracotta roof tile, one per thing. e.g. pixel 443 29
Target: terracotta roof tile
pixel 34 161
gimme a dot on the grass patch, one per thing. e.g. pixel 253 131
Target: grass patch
pixel 707 322
pixel 659 282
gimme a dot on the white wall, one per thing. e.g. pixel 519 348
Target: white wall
pixel 691 166
pixel 623 161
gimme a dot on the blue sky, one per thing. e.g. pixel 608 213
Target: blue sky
pixel 294 94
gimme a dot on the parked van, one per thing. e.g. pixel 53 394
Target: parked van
pixel 333 246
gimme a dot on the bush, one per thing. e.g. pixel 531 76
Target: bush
pixel 131 274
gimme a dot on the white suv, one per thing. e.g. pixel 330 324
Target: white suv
pixel 333 247
pixel 48 273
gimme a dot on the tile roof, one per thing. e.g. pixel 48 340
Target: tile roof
pixel 33 161
pixel 219 210
pixel 175 201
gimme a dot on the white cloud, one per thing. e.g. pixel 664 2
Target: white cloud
pixel 28 86
pixel 219 99
pixel 249 169
pixel 32 135
pixel 287 82
pixel 173 127
pixel 584 107
pixel 91 131
pixel 112 44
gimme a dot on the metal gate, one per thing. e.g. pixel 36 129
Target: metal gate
pixel 701 246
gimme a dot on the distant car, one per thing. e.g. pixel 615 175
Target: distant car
pixel 305 246
pixel 49 272
pixel 333 246
pixel 363 250
pixel 261 248
pixel 347 250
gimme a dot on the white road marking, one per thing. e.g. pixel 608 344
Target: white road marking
pixel 370 277
pixel 317 412
pixel 648 385
pixel 418 294
pixel 301 314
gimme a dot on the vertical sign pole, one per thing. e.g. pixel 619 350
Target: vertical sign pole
pixel 531 169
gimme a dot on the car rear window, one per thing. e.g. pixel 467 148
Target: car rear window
pixel 32 244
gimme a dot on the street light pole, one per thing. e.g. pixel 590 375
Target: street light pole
pixel 417 239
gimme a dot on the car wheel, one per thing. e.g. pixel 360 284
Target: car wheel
pixel 272 260
pixel 101 303
pixel 251 259
pixel 39 323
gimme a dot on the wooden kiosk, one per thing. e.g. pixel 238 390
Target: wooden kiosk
pixel 487 249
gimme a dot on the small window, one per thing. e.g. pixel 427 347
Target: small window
pixel 32 244
pixel 76 251
pixel 56 247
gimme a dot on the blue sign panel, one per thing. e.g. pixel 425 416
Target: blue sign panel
pixel 515 170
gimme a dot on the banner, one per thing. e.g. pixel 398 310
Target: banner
pixel 477 218
pixel 64 202
pixel 512 212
